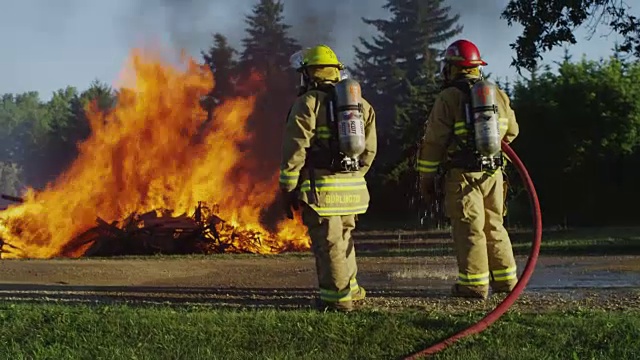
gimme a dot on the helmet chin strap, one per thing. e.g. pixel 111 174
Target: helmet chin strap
pixel 480 68
pixel 305 81
pixel 302 79
pixel 445 69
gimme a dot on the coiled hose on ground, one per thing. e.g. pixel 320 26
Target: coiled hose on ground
pixel 502 308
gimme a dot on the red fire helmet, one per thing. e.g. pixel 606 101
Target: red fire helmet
pixel 463 53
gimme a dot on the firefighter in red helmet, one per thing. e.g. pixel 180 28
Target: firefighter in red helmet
pixel 462 134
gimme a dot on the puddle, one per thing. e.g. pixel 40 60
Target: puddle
pixel 555 275
pixel 579 276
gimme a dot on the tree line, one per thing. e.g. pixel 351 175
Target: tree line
pixel 579 124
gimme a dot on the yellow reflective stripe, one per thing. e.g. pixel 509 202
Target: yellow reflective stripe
pixel 289 177
pixel 473 279
pixel 459 125
pixel 505 275
pixel 324 187
pixel 426 170
pixel 474 282
pixel 323 132
pixel 425 166
pixel 505 271
pixel 460 128
pixel 353 284
pixel 505 278
pixel 335 296
pixel 473 276
pixel 354 180
pixel 428 163
pixel 339 211
pixel 336 184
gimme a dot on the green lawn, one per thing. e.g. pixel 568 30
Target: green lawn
pixel 52 331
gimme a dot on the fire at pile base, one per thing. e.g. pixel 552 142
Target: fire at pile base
pixel 157 147
pixel 159 232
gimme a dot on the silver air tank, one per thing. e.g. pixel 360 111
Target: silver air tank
pixel 351 134
pixel 485 118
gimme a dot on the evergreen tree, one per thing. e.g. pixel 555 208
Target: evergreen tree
pixel 397 71
pixel 399 64
pixel 267 49
pixel 268 46
pixel 221 60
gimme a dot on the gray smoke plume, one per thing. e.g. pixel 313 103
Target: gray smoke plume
pixel 189 24
pixel 186 24
pixel 337 23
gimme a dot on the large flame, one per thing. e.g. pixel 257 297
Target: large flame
pixel 142 156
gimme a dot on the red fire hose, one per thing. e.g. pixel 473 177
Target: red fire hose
pixel 494 315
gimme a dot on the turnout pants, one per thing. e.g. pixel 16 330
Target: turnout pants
pixel 474 203
pixel 335 256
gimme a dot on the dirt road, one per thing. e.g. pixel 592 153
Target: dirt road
pixel 287 282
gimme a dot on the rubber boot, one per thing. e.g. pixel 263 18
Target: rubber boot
pixel 359 295
pixel 503 287
pixel 343 306
pixel 472 292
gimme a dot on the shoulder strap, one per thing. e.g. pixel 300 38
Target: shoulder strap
pixel 322 87
pixel 464 85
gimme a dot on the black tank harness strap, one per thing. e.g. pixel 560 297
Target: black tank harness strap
pixel 467 157
pixel 313 158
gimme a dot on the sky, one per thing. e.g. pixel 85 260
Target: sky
pixel 48 45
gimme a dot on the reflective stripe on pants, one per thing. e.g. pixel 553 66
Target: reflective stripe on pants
pixel 473 279
pixel 507 274
pixel 474 203
pixel 334 252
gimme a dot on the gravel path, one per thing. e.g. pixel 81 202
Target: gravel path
pixel 287 282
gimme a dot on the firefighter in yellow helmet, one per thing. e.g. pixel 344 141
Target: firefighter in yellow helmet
pixel 328 147
pixel 469 152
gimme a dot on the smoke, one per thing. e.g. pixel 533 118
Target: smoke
pixel 312 22
pixel 337 23
pixel 185 24
pixel 189 24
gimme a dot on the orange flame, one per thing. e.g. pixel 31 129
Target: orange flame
pixel 141 156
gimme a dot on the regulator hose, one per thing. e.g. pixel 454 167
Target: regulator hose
pixel 502 308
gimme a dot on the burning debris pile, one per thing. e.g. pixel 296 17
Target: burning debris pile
pixel 158 232
pixel 146 166
pixel 161 232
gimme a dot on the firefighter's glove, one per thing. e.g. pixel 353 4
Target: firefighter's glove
pixel 427 188
pixel 290 202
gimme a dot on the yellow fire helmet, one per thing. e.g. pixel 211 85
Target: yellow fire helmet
pixel 320 55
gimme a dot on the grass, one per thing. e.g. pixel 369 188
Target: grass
pixel 56 331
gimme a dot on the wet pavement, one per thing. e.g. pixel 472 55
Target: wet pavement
pixel 608 282
pixel 551 274
pixel 594 272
